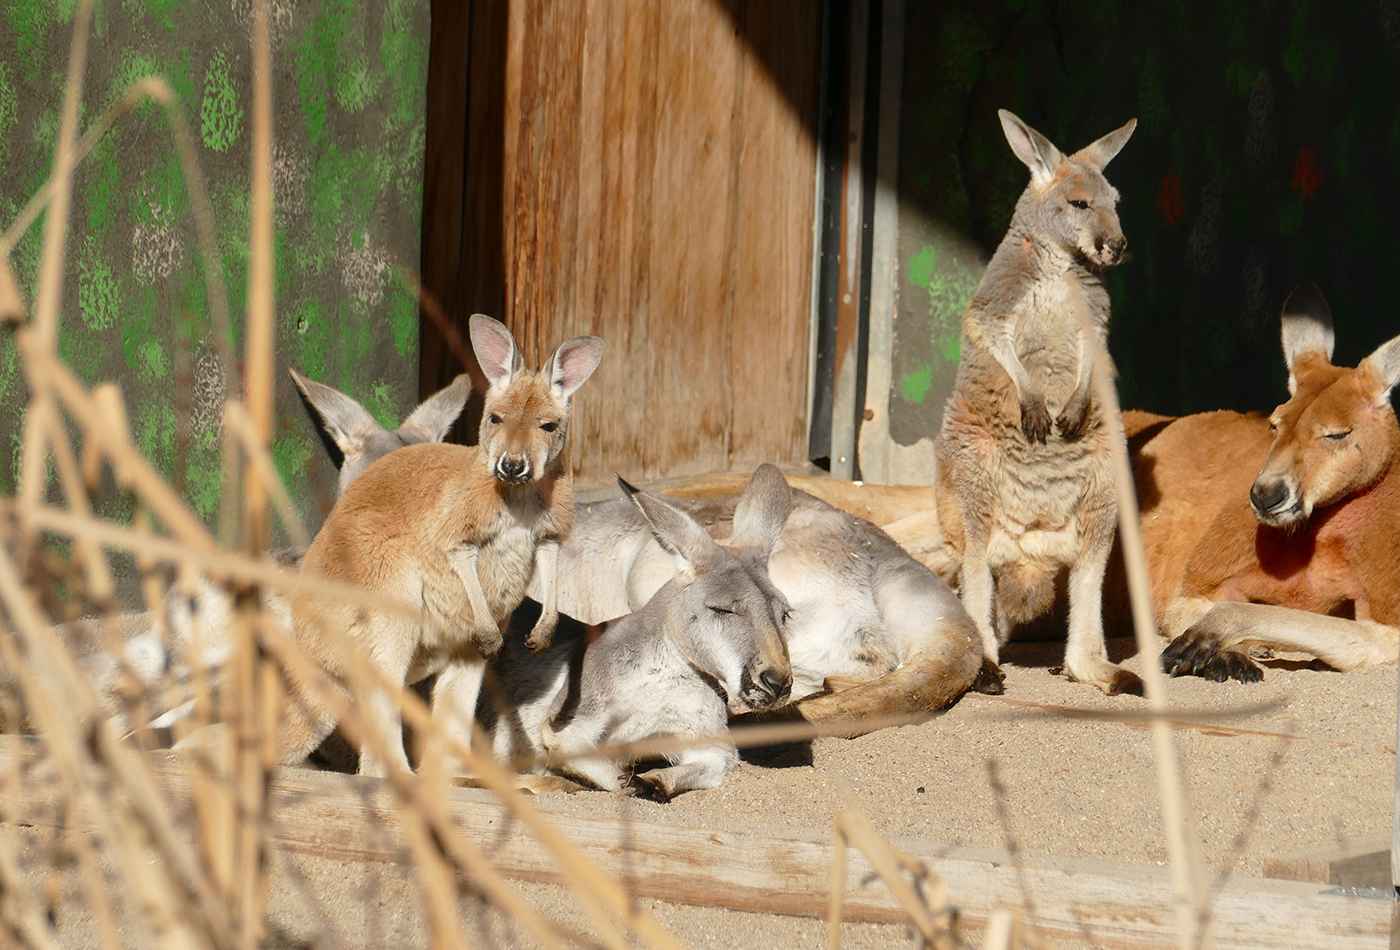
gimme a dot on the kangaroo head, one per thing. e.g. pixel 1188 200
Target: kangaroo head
pixel 1337 435
pixel 721 611
pixel 352 437
pixel 1069 204
pixel 525 422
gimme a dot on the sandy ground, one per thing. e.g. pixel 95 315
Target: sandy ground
pixel 1304 759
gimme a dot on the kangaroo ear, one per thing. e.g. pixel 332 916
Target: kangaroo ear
pixel 1306 328
pixel 342 424
pixel 1385 363
pixel 762 510
pixel 495 349
pixel 1101 151
pixel 679 535
pixel 435 415
pixel 571 363
pixel 1032 148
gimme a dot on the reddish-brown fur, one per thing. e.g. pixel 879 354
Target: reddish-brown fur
pixel 458 531
pixel 1329 546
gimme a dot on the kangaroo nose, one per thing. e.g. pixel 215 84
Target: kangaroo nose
pixel 778 684
pixel 1264 499
pixel 513 468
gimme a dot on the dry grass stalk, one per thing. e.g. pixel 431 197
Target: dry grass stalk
pixel 931 912
pixel 1188 872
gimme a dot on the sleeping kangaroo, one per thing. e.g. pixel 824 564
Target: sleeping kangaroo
pixel 1025 482
pixel 871 632
pixel 707 644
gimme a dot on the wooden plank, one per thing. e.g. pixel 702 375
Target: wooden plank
pixel 775 869
pixel 616 167
pixel 773 246
pixel 1364 862
pixel 444 182
pixel 873 442
pixel 688 386
pixel 848 257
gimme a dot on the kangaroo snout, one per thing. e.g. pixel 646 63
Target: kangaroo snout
pixel 1111 251
pixel 766 687
pixel 513 469
pixel 1274 502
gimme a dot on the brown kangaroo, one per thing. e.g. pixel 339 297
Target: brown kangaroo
pixel 1025 483
pixel 1305 557
pixel 460 531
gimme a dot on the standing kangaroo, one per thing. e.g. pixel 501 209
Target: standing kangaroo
pixel 709 643
pixel 458 530
pixel 1025 482
pixel 150 659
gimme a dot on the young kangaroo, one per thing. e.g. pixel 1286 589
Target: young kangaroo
pixel 149 658
pixel 708 644
pixel 458 530
pixel 1025 485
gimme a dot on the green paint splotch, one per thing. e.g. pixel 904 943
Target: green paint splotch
pixel 220 115
pixel 915 386
pixel 950 283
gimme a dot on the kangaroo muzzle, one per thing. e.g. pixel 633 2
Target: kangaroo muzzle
pixel 767 687
pixel 1111 251
pixel 1275 502
pixel 513 469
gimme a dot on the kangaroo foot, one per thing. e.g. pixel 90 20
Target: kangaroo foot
pixel 1112 679
pixel 1197 652
pixel 990 680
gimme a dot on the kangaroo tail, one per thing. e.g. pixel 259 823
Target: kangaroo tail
pixel 926 682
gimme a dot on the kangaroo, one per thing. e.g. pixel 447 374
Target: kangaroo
pixel 1304 558
pixel 1024 479
pixel 871 632
pixel 148 658
pixel 708 644
pixel 457 529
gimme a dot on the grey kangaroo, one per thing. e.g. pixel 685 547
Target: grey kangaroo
pixel 1025 485
pixel 707 644
pixel 871 631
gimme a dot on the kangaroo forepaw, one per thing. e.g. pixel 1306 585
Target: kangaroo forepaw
pixel 1035 417
pixel 488 641
pixel 542 634
pixel 990 680
pixel 1071 421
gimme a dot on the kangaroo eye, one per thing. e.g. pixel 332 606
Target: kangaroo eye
pixel 549 426
pixel 720 610
pixel 495 419
pixel 1273 427
pixel 1081 205
pixel 1336 436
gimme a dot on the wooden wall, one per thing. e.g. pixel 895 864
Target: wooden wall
pixel 643 171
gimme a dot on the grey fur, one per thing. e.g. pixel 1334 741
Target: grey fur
pixel 708 643
pixel 1024 476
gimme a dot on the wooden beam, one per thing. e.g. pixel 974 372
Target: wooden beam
pixel 770 868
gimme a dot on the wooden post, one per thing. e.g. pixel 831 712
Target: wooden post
pixel 873 442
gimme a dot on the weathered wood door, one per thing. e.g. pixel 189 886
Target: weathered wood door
pixel 642 170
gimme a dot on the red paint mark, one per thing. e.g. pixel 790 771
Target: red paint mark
pixel 1306 178
pixel 1170 205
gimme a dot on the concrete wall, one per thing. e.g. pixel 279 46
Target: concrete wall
pixel 348 95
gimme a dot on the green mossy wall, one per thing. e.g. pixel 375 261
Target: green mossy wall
pixel 349 81
pixel 1265 155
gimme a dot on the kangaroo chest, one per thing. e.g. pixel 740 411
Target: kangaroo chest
pixel 505 559
pixel 1344 564
pixel 1046 334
